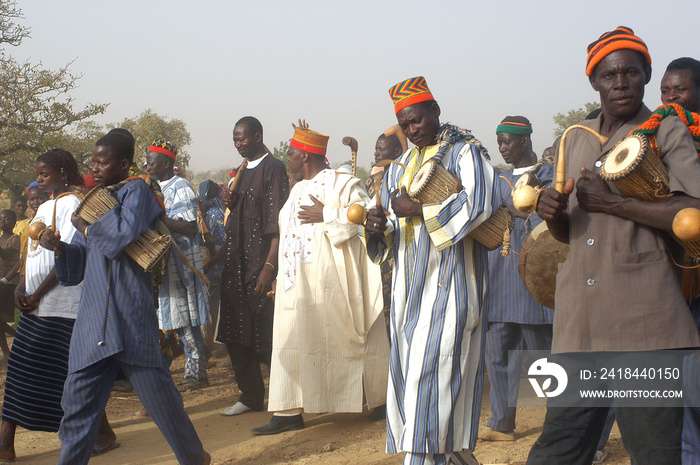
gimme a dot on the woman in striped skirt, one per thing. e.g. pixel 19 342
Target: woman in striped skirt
pixel 38 363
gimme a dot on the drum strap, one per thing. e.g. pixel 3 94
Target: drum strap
pixel 651 126
pixel 449 134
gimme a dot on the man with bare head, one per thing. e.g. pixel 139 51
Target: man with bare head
pixel 681 84
pixel 250 263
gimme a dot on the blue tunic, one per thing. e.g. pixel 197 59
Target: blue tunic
pixel 510 300
pixel 117 313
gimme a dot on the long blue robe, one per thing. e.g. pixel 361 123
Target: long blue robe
pixel 117 306
pixel 117 329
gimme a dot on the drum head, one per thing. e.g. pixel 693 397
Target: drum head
pixel 623 157
pixel 540 257
pixel 529 179
pixel 421 178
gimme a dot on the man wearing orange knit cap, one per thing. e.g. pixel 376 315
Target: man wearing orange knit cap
pixel 618 290
pixel 330 350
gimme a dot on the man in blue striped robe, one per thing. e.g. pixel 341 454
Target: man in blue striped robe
pixel 439 286
pixel 116 327
pixel 516 320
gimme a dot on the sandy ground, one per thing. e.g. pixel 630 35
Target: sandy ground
pixel 327 439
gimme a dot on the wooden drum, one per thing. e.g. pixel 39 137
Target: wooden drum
pixel 433 183
pixel 147 250
pixel 494 231
pixel 540 256
pixel 634 169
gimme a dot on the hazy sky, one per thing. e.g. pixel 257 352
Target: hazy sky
pixel 332 62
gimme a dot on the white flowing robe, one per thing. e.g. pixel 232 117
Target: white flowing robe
pixel 438 310
pixel 329 344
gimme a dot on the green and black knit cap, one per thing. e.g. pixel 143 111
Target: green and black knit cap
pixel 518 125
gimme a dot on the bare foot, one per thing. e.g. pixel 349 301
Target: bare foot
pixel 7 451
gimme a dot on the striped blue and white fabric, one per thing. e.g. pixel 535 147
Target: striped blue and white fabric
pixel 183 297
pixel 438 308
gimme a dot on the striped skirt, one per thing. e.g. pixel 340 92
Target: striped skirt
pixel 36 371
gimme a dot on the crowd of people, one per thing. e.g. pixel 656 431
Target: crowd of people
pixel 401 315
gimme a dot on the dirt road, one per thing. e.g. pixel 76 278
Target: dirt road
pixel 328 439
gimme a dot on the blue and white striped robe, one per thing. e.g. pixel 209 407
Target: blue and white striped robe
pixel 183 297
pixel 438 309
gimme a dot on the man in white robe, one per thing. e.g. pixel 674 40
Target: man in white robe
pixel 329 345
pixel 439 285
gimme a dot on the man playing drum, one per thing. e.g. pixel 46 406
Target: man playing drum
pixel 618 290
pixel 515 317
pixel 116 327
pixel 439 285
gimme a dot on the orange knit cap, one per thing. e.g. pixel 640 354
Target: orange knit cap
pixel 622 38
pixel 410 92
pixel 309 141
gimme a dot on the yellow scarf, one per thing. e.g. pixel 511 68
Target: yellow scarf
pixel 417 158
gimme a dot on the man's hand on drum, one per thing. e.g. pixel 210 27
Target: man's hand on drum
pixel 403 206
pixel 79 223
pixel 376 222
pixel 552 204
pixel 592 193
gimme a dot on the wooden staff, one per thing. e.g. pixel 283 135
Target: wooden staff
pixel 561 164
pixel 237 178
pixel 352 143
pixel 395 130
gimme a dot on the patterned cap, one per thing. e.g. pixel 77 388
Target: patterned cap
pixel 164 147
pixel 518 125
pixel 622 38
pixel 409 92
pixel 309 141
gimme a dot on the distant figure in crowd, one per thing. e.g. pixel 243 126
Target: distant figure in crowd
pixel 386 148
pixel 213 208
pixel 440 285
pixel 183 298
pixel 516 321
pixel 250 266
pixel 38 363
pixel 618 261
pixel 19 206
pixel 330 350
pixel 116 327
pixel 9 258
